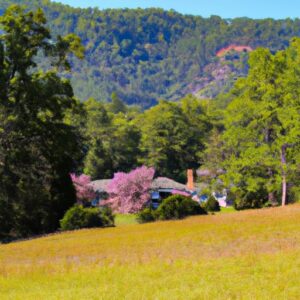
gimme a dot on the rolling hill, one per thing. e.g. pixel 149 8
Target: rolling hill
pixel 239 255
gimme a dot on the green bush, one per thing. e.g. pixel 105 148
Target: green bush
pixel 78 217
pixel 147 215
pixel 294 195
pixel 178 207
pixel 212 204
pixel 107 216
pixel 244 199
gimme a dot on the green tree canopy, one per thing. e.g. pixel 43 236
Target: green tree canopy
pixel 262 123
pixel 112 141
pixel 37 148
pixel 173 136
pixel 116 105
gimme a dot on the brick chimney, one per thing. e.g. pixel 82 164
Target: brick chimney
pixel 190 179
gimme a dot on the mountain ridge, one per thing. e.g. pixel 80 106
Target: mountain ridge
pixel 148 54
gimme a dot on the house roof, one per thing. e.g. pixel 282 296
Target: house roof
pixel 158 183
pixel 167 183
pixel 100 185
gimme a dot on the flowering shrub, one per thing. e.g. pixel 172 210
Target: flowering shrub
pixel 129 192
pixel 84 192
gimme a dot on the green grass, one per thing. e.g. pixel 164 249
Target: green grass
pixel 125 219
pixel 228 209
pixel 239 255
pixel 129 219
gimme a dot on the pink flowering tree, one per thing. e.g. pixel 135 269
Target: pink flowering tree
pixel 84 192
pixel 129 192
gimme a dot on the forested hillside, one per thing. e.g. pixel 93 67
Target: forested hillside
pixel 146 55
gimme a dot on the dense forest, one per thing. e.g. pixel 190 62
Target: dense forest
pixel 152 54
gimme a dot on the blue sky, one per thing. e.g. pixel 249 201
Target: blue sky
pixel 224 8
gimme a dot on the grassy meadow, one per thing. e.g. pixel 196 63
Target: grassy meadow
pixel 239 255
pixel 125 219
pixel 129 219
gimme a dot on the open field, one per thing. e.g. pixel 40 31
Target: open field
pixel 228 209
pixel 131 219
pixel 125 219
pixel 243 255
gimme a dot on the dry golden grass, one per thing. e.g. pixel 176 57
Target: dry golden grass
pixel 242 255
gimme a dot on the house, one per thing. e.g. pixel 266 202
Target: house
pixel 100 188
pixel 161 188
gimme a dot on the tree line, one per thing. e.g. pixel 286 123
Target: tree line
pixel 258 144
pixel 46 134
pixel 169 137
